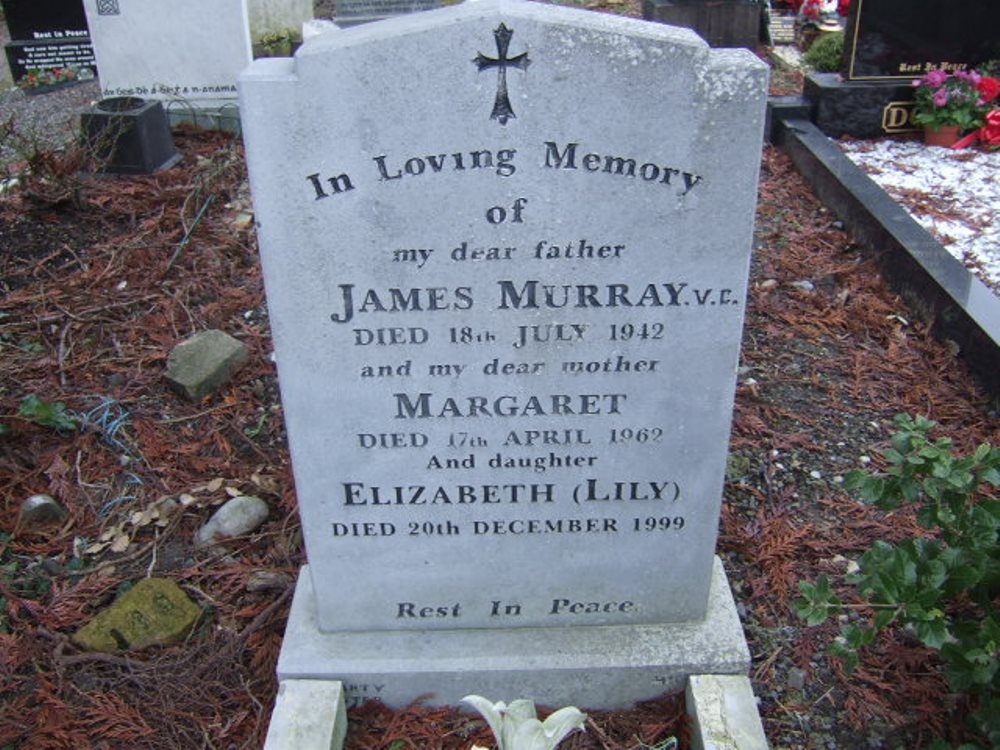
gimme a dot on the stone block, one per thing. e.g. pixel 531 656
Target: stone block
pixel 153 612
pixel 724 713
pixel 308 715
pixel 201 364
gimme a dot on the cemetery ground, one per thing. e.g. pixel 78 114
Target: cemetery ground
pixel 100 278
pixel 92 306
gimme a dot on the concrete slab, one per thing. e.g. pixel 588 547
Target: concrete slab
pixel 610 666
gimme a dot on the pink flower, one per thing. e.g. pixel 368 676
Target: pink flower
pixel 935 78
pixel 970 76
pixel 940 97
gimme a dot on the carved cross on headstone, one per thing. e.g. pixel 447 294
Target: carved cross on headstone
pixel 502 110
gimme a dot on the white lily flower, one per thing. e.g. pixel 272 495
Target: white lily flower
pixel 516 727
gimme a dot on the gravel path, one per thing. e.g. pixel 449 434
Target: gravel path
pixel 48 120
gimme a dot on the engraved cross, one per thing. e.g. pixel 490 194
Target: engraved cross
pixel 502 110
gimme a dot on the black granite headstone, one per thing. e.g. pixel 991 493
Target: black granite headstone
pixel 48 35
pixel 23 57
pixel 46 20
pixel 721 23
pixel 903 39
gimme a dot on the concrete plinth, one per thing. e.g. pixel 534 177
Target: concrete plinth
pixel 308 715
pixel 594 667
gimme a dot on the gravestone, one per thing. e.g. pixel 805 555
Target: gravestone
pixel 47 36
pixel 186 53
pixel 888 44
pixel 353 12
pixel 782 28
pixel 269 17
pixel 903 39
pixel 721 23
pixel 505 248
pixel 31 20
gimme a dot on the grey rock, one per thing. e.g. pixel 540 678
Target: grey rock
pixel 796 679
pixel 201 364
pixel 804 284
pixel 267 580
pixel 40 509
pixel 238 517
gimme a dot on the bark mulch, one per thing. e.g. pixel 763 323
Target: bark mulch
pixel 95 294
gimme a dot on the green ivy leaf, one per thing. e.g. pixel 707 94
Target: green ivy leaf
pixel 962 578
pixel 883 617
pixel 932 633
pixel 46 413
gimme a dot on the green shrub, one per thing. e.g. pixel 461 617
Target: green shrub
pixel 825 53
pixel 944 587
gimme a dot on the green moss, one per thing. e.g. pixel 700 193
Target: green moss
pixel 153 612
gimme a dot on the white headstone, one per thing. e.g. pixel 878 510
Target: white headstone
pixel 506 248
pixel 184 51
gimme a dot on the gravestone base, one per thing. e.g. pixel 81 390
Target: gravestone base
pixel 862 109
pixel 598 667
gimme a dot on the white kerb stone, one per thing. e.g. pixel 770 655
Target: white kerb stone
pixel 725 715
pixel 308 715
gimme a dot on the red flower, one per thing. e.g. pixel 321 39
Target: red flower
pixel 843 7
pixel 812 9
pixel 988 88
pixel 990 133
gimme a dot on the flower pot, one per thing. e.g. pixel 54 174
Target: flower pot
pixel 129 135
pixel 946 135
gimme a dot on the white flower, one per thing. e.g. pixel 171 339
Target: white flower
pixel 517 727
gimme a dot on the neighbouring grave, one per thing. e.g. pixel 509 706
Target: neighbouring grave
pixel 353 12
pixel 722 23
pixel 889 43
pixel 186 53
pixel 505 248
pixel 48 36
pixel 781 27
pixel 270 17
